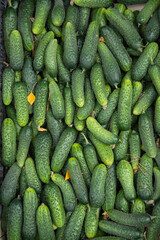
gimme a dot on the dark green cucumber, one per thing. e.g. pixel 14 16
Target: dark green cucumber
pixel 96 109
pixel 56 30
pixel 9 185
pixel 110 188
pixel 62 149
pixel 146 58
pixel 43 144
pixel 8 142
pixel 16 51
pixel 56 100
pixel 41 14
pixel 117 48
pixel 44 223
pixel 125 27
pixel 105 152
pixel 98 84
pixel 110 66
pixel 93 3
pixel 147 135
pixel 23 185
pixel 125 176
pixel 4 218
pixel 91 221
pixel 89 49
pixel 157 116
pixel 137 90
pixel 121 149
pixel 133 52
pixel 98 15
pixel 90 156
pixel 50 58
pixel 125 103
pixel 107 237
pixel 58 13
pixel 113 125
pixel 11 113
pixel 84 14
pixel 25 138
pixel 144 178
pixel 78 78
pixel 60 231
pixel 7 85
pixel 25 13
pixel 75 223
pixel 30 205
pixel 14 222
pixel 135 150
pixel 154 72
pixel 121 203
pixel 156 192
pixel 40 105
pixel 69 197
pixel 69 106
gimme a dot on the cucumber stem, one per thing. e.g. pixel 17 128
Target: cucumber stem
pixel 85 138
pixel 9 3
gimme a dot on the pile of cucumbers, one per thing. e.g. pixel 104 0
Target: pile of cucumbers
pixel 80 141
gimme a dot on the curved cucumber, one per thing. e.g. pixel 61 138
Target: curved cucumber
pixel 121 149
pixel 93 3
pixel 7 85
pixel 58 13
pixel 91 222
pixel 50 58
pixel 78 78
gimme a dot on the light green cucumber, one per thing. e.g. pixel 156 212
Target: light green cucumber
pixel 50 58
pixel 7 85
pixel 69 106
pixel 91 221
pixel 78 78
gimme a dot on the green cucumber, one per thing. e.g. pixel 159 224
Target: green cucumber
pixel 84 14
pixel 137 90
pixel 107 237
pixel 132 1
pixel 154 72
pixel 156 192
pixel 96 109
pixel 11 113
pixel 23 185
pixel 58 13
pixel 8 81
pixel 121 203
pixel 120 7
pixel 135 150
pixel 91 221
pixel 125 176
pixel 113 125
pixel 121 149
pixel 157 116
pixel 69 106
pixel 78 78
pixel 93 3
pixel 98 15
pixel 4 218
pixel 138 206
pixel 60 231
pixel 50 58
pixel 157 158
pixel 56 30
pixel 133 52
pixel 90 156
pixel 8 142
pixel 129 15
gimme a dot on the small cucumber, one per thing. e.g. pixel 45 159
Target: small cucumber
pixel 11 113
pixel 137 90
pixel 138 206
pixel 156 192
pixel 84 14
pixel 78 87
pixel 130 15
pixel 154 72
pixel 23 185
pixel 90 156
pixel 7 85
pixel 98 15
pixel 91 221
pixel 121 203
pixel 157 116
pixel 152 31
pixel 121 149
pixel 58 13
pixel 120 7
pixel 50 58
pixel 113 125
pixel 56 30
pixel 93 3
pixel 135 150
pixel 69 106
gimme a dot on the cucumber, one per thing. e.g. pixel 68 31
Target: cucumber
pixel 78 78
pixel 110 66
pixel 147 135
pixel 43 144
pixel 40 105
pixel 146 58
pixel 125 27
pixel 121 203
pixel 25 12
pixel 7 85
pixel 90 156
pixel 120 230
pixel 132 1
pixel 93 3
pixel 91 221
pixel 98 15
pixel 69 106
pixel 50 58
pixel 11 113
pixel 125 176
pixel 9 185
pixel 157 158
pixel 75 223
pixel 130 16
pixel 138 206
pixel 107 237
pixel 117 48
pixel 96 109
pixel 25 138
pixel 9 24
pixel 154 72
pixel 60 231
pixel 144 178
pixel 157 116
pixel 135 150
pixel 44 223
pixel 56 30
pixel 14 222
pixel 70 53
pixel 58 13
pixel 113 125
pixel 56 100
pixel 86 110
pixel 98 84
pixel 89 49
pixel 69 197
pixel 147 11
pixel 84 14
pixel 121 149
pixel 133 52
pixel 42 9
pixel 30 205
pixel 8 142
pixel 38 39
pixel 156 195
pixel 4 219
pixel 53 199
pixel 79 124
pixel 23 185
pixel 16 51
pixel 105 114
pixel 137 90
pixel 62 149
pixel 110 189
pixel 105 152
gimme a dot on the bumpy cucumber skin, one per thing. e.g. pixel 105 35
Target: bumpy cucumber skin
pixel 69 197
pixel 110 189
pixel 98 15
pixel 42 10
pixel 50 58
pixel 8 81
pixel 84 14
pixel 74 226
pixel 23 185
pixel 137 90
pixel 140 68
pixel 151 33
pixel 16 51
pixel 93 4
pixel 120 7
pixel 14 222
pixel 91 222
pixel 121 149
pixel 69 106
pixel 8 142
pixel 121 203
pixel 132 1
pixel 43 143
pixel 156 192
pixel 130 15
pixel 25 138
pixel 117 48
pixel 58 13
pixel 77 180
pixel 157 116
pixel 135 149
pixel 125 104
pixel 40 104
pixel 9 185
pixel 44 223
pixel 11 113
pixel 138 206
pixel 30 204
pixel 79 124
pixel 90 156
pixel 25 12
pixel 56 30
pixel 78 87
pixel 154 72
pixel 110 66
pixel 147 135
pixel 60 231
pixel 62 149
pixel 125 27
pixel 105 152
pixel 114 123
pixel 144 182
pixel 125 176
pixel 4 218
pixel 89 49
